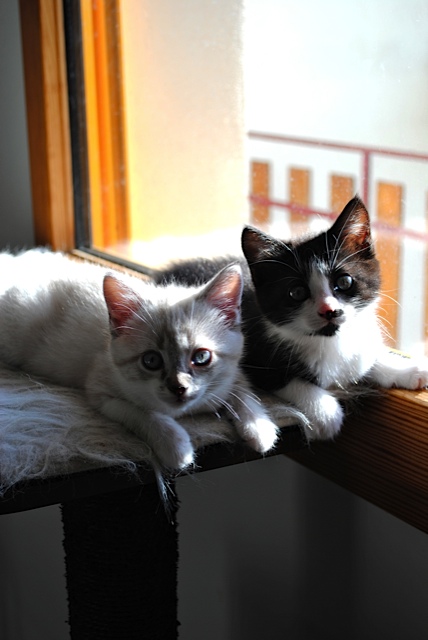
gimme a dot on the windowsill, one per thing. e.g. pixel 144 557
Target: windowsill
pixel 381 454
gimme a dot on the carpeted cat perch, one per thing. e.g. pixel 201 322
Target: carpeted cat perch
pixel 120 542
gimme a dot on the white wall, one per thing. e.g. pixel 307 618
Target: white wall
pixel 32 586
pixel 16 227
pixel 268 550
pixel 343 71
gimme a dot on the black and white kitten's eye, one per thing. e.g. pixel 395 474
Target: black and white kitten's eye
pixel 152 360
pixel 298 292
pixel 344 283
pixel 201 357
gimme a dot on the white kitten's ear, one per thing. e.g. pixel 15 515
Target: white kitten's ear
pixel 122 302
pixel 224 292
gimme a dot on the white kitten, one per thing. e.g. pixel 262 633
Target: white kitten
pixel 145 355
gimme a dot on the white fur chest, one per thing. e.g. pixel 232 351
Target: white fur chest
pixel 343 359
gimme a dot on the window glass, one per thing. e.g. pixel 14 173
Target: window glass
pixel 204 115
pixel 351 75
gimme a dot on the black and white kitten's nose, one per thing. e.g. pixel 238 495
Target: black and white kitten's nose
pixel 330 314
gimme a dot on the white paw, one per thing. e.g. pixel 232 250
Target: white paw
pixel 260 435
pixel 395 370
pixel 176 452
pixel 413 378
pixel 325 418
pixel 323 413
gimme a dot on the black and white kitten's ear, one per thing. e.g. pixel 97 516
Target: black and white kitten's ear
pixel 257 245
pixel 122 303
pixel 224 292
pixel 262 253
pixel 352 228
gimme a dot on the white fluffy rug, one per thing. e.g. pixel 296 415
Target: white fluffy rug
pixel 46 430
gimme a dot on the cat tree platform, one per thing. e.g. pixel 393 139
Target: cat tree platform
pixel 120 541
pixel 121 546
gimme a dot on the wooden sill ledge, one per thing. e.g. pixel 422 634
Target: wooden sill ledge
pixel 381 454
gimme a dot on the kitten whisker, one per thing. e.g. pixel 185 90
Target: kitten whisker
pixel 345 259
pixel 223 403
pixel 231 409
pixel 248 395
pixel 384 318
pixel 386 295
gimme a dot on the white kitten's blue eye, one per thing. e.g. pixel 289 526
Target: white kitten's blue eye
pixel 152 360
pixel 344 283
pixel 298 293
pixel 201 357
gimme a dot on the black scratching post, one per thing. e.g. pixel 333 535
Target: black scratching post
pixel 121 554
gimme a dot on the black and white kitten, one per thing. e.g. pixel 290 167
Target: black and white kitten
pixel 309 317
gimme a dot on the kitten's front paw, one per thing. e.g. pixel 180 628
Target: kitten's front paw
pixel 415 378
pixel 394 370
pixel 325 421
pixel 176 452
pixel 323 413
pixel 261 435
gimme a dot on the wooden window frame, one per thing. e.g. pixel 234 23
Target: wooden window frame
pixel 382 453
pixel 48 122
